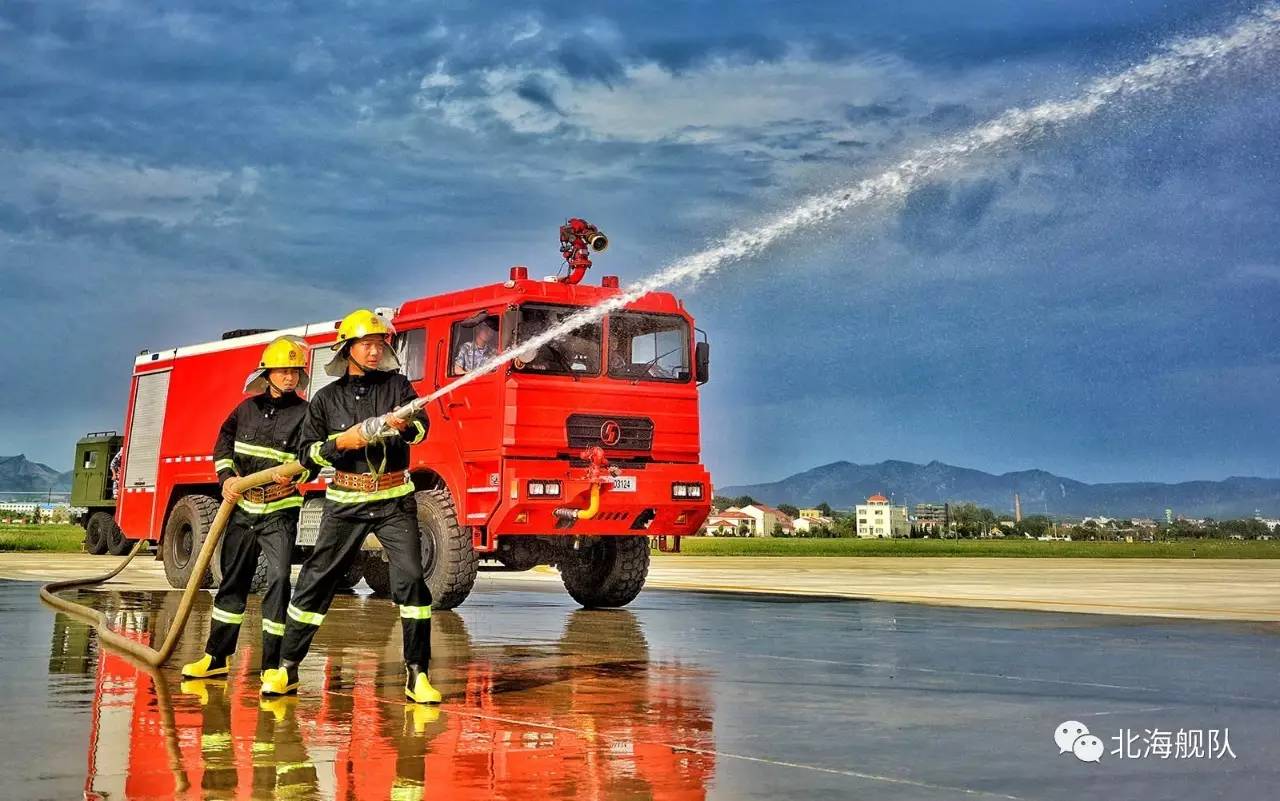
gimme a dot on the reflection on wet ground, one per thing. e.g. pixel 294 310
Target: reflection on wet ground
pixel 685 696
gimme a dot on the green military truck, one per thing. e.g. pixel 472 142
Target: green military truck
pixel 93 501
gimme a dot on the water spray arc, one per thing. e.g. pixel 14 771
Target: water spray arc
pixel 1178 63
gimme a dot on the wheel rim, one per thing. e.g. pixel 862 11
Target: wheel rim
pixel 184 545
pixel 428 550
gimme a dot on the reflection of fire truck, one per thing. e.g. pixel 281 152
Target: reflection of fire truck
pixel 587 723
pixel 515 459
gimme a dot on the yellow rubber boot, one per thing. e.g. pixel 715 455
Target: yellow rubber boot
pixel 206 667
pixel 278 707
pixel 200 688
pixel 417 689
pixel 280 681
pixel 419 716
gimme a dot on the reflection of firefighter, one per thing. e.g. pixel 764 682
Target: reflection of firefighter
pixel 591 716
pixel 260 433
pixel 282 766
pixel 371 492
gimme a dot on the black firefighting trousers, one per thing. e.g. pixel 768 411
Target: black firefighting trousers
pixel 342 531
pixel 248 535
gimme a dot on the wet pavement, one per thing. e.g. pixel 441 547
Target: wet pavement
pixel 682 696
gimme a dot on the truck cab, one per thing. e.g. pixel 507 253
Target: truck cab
pixel 93 493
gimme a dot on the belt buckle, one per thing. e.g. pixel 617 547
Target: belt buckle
pixel 255 495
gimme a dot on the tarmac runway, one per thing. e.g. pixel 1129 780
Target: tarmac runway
pixel 684 695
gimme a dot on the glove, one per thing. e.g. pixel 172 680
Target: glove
pixel 393 422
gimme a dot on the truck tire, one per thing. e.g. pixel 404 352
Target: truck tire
pixel 377 572
pixel 95 533
pixel 117 543
pixel 184 532
pixel 611 573
pixel 448 560
pixel 258 584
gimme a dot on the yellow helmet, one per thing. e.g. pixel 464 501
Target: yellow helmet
pixel 361 323
pixel 357 324
pixel 283 353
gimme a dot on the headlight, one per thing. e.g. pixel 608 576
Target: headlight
pixel 541 488
pixel 686 490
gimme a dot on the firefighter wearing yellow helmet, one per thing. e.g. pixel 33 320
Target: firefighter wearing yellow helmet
pixel 261 432
pixel 371 493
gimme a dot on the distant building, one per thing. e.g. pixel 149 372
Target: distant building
pixel 20 507
pixel 806 525
pixel 931 517
pixel 729 523
pixel 756 520
pixel 876 518
pixel 811 514
pixel 768 519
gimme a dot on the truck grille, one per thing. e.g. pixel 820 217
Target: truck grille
pixel 633 433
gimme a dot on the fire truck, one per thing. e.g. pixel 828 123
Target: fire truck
pixel 574 455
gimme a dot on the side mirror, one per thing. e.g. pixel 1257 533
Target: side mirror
pixel 702 361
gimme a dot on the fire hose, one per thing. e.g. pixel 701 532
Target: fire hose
pixel 155 657
pixel 371 429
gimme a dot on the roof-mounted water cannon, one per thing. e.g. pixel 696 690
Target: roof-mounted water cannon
pixel 578 239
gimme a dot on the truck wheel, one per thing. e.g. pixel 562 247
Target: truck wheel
pixel 377 572
pixel 448 560
pixel 95 533
pixel 611 573
pixel 117 543
pixel 184 534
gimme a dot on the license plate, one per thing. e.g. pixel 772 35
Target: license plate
pixel 624 483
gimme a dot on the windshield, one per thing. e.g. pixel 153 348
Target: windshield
pixel 574 353
pixel 648 347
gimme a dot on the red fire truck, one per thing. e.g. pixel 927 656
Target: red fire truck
pixel 508 467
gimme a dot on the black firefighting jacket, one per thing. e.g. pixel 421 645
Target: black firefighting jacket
pixel 260 433
pixel 350 400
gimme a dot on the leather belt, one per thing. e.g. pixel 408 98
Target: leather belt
pixel 267 494
pixel 369 482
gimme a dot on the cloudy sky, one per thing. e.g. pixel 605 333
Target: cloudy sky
pixel 1103 303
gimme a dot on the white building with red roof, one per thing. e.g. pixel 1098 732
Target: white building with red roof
pixel 729 523
pixel 878 518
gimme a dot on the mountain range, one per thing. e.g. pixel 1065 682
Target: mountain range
pixel 843 484
pixel 19 474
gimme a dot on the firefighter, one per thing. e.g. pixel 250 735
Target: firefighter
pixel 260 433
pixel 371 493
